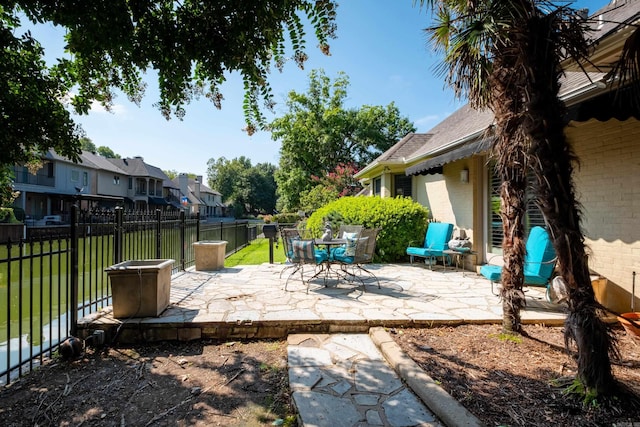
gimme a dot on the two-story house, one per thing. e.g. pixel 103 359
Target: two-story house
pixel 144 186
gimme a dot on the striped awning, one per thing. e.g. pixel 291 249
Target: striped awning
pixel 434 164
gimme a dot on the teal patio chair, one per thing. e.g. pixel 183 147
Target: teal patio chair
pixel 300 252
pixel 435 243
pixel 363 254
pixel 539 262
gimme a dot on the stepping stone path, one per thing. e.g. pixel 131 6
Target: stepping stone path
pixel 344 380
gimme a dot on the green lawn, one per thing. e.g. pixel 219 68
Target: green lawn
pixel 256 253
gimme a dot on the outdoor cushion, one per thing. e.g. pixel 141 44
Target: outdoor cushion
pixel 538 262
pixel 303 250
pixel 491 272
pixel 435 240
pixel 290 241
pixel 343 255
pixel 350 247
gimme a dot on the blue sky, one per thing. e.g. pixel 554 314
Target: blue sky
pixel 381 46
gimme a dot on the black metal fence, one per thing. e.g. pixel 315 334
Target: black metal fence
pixel 56 275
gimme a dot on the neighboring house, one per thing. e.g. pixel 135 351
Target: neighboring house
pixel 59 183
pixel 451 173
pixel 109 184
pixel 144 184
pixel 200 198
pixel 96 182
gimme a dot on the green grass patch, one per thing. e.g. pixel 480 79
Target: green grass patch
pixel 256 253
pixel 514 338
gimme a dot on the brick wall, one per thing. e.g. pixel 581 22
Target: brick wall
pixel 608 186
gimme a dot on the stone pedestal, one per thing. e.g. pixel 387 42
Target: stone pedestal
pixel 140 288
pixel 210 254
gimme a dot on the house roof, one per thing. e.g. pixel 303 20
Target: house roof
pixel 137 167
pixel 399 151
pixel 100 162
pixel 610 27
pixel 191 183
pixel 464 124
pixel 463 133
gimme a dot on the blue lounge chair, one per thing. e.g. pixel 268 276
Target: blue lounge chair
pixel 539 261
pixel 435 243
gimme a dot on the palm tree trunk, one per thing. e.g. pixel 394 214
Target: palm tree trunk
pixel 511 153
pixel 511 168
pixel 553 165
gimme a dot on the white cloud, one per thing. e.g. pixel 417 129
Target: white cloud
pixel 117 109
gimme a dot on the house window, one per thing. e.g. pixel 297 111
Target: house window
pixel 402 185
pixel 49 169
pixel 533 216
pixel 75 176
pixel 377 186
pixel 116 180
pixel 85 179
pixel 130 183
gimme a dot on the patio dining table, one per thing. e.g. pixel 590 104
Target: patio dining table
pixel 337 273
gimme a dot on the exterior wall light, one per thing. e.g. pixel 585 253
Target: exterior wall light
pixel 464 176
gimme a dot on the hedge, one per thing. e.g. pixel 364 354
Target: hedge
pixel 401 221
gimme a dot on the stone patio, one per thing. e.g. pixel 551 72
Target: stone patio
pixel 251 302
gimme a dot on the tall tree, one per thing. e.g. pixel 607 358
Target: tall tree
pixel 318 133
pixel 192 45
pixel 251 188
pixel 507 56
pixel 88 145
pixel 32 119
pixel 107 152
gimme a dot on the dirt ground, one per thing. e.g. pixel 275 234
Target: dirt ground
pixel 503 382
pixel 167 384
pixel 519 382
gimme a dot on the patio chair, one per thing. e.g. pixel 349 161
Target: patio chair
pixel 364 252
pixel 300 253
pixel 349 230
pixel 539 262
pixel 350 233
pixel 435 243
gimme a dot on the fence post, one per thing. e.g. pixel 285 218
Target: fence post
pixel 117 237
pixel 198 227
pixel 158 234
pixel 183 241
pixel 221 231
pixel 73 306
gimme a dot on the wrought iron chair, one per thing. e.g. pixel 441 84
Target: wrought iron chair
pixel 300 253
pixel 363 254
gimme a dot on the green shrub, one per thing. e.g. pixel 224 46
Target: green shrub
pixel 286 218
pixel 7 216
pixel 401 221
pixel 19 213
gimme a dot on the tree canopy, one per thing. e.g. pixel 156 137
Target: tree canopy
pixel 192 46
pixel 318 133
pixel 250 189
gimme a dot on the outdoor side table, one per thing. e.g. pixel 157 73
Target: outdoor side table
pixel 459 257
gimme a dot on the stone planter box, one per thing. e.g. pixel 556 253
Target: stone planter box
pixel 140 288
pixel 210 254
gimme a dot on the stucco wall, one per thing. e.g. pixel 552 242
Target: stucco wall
pixel 608 186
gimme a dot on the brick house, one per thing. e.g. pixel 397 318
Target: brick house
pixel 449 171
